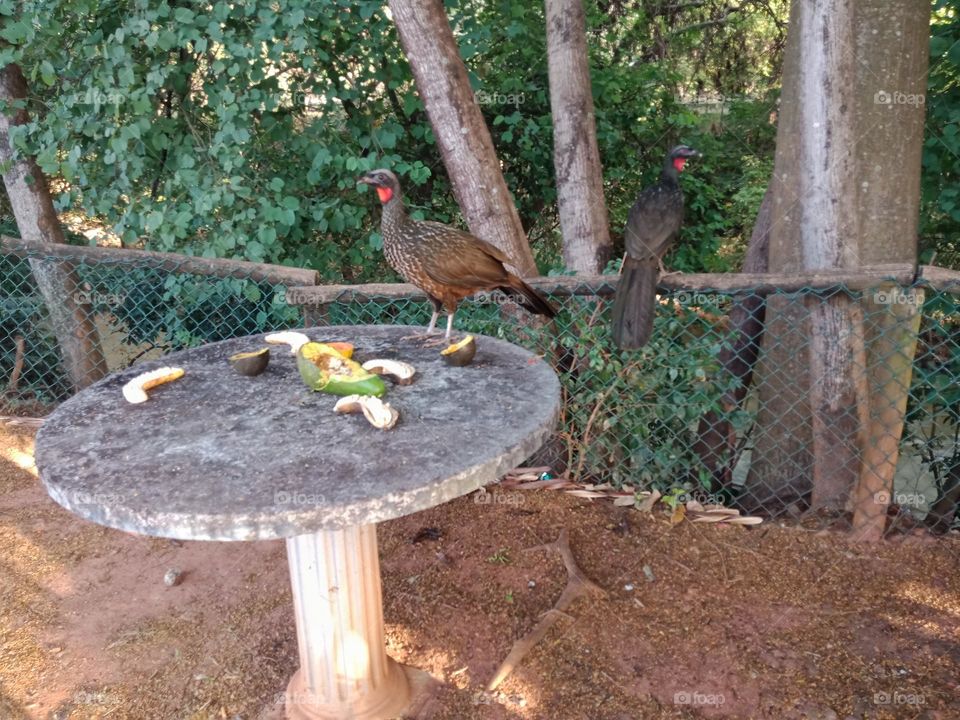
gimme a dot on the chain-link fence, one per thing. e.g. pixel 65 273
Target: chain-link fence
pixel 139 308
pixel 833 399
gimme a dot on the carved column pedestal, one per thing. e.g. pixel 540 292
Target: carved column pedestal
pixel 344 673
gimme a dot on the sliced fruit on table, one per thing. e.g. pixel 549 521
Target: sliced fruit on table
pixel 250 363
pixel 294 339
pixel 344 348
pixel 461 353
pixel 135 391
pixel 378 413
pixel 400 372
pixel 324 369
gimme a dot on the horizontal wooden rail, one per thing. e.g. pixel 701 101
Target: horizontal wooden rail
pixel 606 285
pixel 169 262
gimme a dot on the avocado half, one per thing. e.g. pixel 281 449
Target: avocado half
pixel 461 353
pixel 324 369
pixel 251 363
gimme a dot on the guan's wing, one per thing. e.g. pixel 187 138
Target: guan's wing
pixel 654 220
pixel 460 259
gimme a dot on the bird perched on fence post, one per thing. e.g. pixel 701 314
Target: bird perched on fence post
pixel 653 223
pixel 446 263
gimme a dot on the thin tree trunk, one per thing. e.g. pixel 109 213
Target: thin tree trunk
pixel 828 233
pixel 458 126
pixel 716 440
pixel 37 221
pixel 576 157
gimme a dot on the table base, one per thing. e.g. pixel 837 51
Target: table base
pixel 345 673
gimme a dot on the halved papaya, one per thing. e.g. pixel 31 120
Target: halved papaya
pixel 324 369
pixel 344 348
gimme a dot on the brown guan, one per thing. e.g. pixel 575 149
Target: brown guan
pixel 653 223
pixel 446 263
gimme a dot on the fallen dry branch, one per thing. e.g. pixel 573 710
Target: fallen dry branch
pixel 20 350
pixel 14 421
pixel 578 585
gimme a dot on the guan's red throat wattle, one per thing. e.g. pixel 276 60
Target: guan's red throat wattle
pixel 678 163
pixel 384 194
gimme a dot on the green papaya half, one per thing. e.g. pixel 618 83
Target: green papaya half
pixel 325 369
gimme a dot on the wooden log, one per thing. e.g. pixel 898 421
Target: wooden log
pixel 606 285
pixel 169 262
pixel 941 279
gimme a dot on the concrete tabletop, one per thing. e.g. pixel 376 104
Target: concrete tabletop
pixel 218 456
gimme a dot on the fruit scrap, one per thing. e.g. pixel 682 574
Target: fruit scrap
pixel 251 363
pixel 400 372
pixel 326 370
pixel 460 354
pixel 135 391
pixel 378 413
pixel 344 348
pixel 289 337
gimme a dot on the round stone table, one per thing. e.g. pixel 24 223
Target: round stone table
pixel 218 456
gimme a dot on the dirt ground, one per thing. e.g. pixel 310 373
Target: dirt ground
pixel 697 621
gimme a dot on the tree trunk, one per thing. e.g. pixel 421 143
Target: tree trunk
pixel 576 157
pixel 72 322
pixel 846 193
pixel 716 440
pixel 893 55
pixel 825 181
pixel 458 126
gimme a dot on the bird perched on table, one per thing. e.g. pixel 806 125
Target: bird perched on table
pixel 653 223
pixel 446 263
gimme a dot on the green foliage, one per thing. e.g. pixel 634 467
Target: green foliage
pixel 940 211
pixel 671 384
pixel 933 412
pixel 234 130
pixel 179 311
pixel 641 111
pixel 221 129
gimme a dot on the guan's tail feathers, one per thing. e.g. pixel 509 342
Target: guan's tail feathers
pixel 529 298
pixel 635 304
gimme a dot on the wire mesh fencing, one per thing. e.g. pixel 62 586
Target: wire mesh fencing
pixel 719 405
pixel 815 404
pixel 131 310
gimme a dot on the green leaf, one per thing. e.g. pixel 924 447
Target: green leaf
pixel 153 221
pixel 47 74
pixel 183 16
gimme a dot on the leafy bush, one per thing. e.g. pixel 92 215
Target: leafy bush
pixel 235 130
pixel 940 211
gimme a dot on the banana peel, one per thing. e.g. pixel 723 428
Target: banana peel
pixel 378 413
pixel 325 369
pixel 135 391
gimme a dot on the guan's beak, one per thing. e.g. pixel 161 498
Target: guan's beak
pixel 365 179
